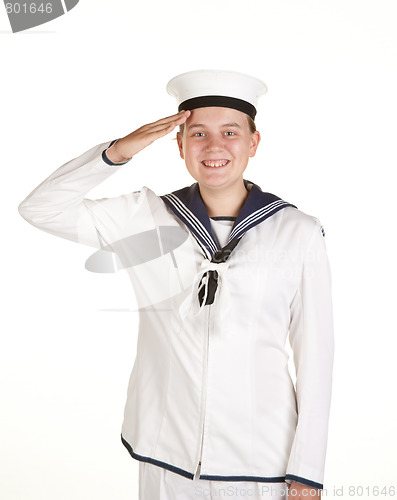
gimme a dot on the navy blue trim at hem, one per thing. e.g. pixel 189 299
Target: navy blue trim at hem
pixel 257 479
pixel 149 460
pixel 304 481
pixel 107 160
pixel 189 475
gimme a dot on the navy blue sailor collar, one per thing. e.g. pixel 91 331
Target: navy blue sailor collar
pixel 187 204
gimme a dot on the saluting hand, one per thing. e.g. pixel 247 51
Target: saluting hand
pixel 128 146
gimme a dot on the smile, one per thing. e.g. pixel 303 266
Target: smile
pixel 215 163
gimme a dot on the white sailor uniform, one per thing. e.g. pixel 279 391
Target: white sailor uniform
pixel 210 382
pixel 161 484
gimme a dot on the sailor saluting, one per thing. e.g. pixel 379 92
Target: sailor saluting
pixel 224 274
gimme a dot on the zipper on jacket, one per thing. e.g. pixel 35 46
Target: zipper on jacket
pixel 205 394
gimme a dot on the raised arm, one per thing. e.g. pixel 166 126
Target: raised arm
pixel 58 206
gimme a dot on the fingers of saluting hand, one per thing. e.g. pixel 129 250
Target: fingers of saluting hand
pixel 168 123
pixel 131 144
pixel 153 131
pixel 170 119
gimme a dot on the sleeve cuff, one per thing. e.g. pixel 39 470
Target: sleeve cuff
pixel 107 160
pixel 302 480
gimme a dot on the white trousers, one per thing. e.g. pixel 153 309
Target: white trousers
pixel 156 483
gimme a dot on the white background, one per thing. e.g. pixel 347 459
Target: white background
pixel 328 126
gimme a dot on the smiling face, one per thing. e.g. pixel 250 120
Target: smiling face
pixel 216 145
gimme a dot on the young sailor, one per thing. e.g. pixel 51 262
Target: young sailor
pixel 224 274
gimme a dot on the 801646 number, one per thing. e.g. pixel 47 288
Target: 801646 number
pixel 31 8
pixel 372 491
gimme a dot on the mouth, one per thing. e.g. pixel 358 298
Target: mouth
pixel 215 163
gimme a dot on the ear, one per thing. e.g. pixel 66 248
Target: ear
pixel 180 145
pixel 255 140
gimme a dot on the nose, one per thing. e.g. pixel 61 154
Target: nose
pixel 214 143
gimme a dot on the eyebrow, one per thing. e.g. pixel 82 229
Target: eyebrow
pixel 232 124
pixel 201 125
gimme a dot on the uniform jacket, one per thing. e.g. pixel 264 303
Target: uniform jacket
pixel 210 381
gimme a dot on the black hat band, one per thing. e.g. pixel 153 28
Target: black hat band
pixel 219 101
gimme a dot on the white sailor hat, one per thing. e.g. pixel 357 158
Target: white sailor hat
pixel 226 89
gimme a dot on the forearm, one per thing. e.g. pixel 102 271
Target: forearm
pixel 311 337
pixel 118 152
pixel 57 204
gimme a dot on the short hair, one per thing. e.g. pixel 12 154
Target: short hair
pixel 251 125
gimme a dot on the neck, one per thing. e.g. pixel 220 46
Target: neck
pixel 224 202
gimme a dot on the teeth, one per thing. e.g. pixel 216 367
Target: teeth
pixel 215 163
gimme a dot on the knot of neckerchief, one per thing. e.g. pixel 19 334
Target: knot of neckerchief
pixel 209 281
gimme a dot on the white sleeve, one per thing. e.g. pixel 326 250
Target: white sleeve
pixel 58 206
pixel 312 341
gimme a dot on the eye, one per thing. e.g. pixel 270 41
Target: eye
pixel 230 133
pixel 199 134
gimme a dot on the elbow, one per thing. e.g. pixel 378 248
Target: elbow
pixel 23 210
pixel 31 213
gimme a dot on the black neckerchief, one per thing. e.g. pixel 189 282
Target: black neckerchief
pixel 188 206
